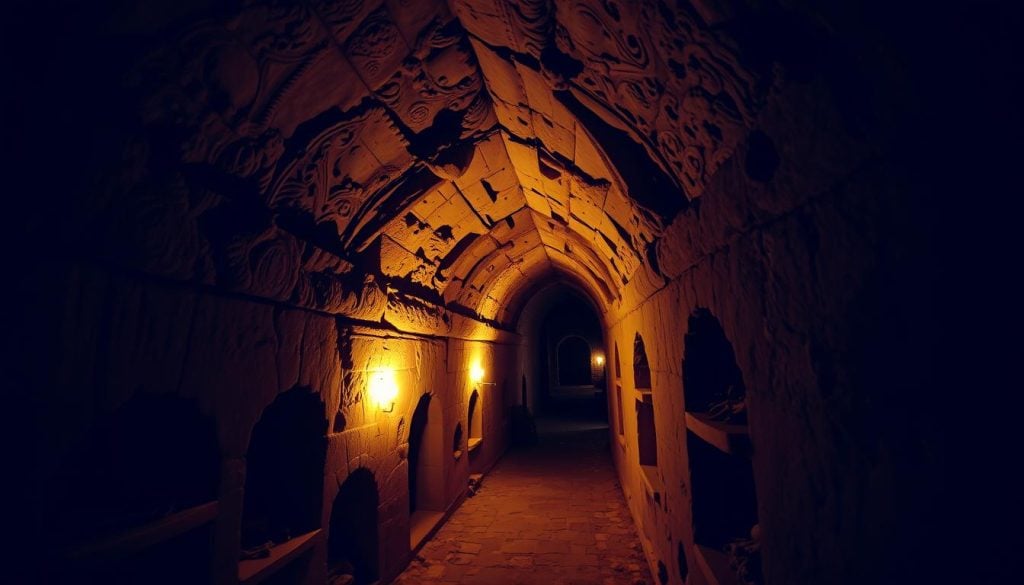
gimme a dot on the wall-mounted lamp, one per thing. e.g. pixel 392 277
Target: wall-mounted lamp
pixel 383 389
pixel 599 359
pixel 476 375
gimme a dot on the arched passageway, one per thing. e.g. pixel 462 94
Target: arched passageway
pixel 740 201
pixel 552 502
pixel 152 462
pixel 562 333
pixel 573 361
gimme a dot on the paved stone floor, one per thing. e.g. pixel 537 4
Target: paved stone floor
pixel 552 514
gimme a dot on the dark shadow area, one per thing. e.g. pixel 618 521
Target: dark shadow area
pixel 416 435
pixel 285 469
pixel 140 492
pixel 571 385
pixel 475 426
pixel 712 381
pixel 641 370
pixel 352 549
pixel 725 524
pixel 574 362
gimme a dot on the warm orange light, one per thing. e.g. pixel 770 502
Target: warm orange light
pixel 476 373
pixel 383 389
pixel 599 359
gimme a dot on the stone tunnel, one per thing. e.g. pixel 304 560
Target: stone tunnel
pixel 300 282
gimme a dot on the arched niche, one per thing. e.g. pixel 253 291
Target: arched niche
pixel 457 441
pixel 353 545
pixel 620 422
pixel 138 502
pixel 618 363
pixel 641 369
pixel 724 498
pixel 475 418
pixel 573 361
pixel 285 470
pixel 724 504
pixel 426 448
pixel 647 436
pixel 712 381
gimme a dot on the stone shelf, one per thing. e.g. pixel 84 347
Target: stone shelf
pixel 714 565
pixel 254 571
pixel 649 474
pixel 148 535
pixel 474 443
pixel 726 437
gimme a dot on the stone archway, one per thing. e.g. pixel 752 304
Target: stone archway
pixel 573 361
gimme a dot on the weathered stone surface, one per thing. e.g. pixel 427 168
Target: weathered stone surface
pixel 520 530
pixel 273 196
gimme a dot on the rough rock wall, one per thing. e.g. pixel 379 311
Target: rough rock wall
pixel 121 337
pixel 807 246
pixel 768 162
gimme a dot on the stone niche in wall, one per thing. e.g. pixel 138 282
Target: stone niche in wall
pixel 726 533
pixel 475 418
pixel 725 524
pixel 353 546
pixel 713 388
pixel 284 488
pixel 646 430
pixel 139 497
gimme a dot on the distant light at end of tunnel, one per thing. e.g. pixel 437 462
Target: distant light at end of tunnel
pixel 383 389
pixel 599 359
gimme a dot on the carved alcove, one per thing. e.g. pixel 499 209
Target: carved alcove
pixel 714 393
pixel 427 450
pixel 647 435
pixel 641 369
pixel 457 435
pixel 475 419
pixel 724 504
pixel 141 494
pixel 619 420
pixel 722 484
pixel 710 373
pixel 353 546
pixel 283 488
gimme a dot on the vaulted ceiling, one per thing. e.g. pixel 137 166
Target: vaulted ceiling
pixel 355 156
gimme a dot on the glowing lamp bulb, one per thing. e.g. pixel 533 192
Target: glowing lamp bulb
pixel 383 389
pixel 476 373
pixel 599 360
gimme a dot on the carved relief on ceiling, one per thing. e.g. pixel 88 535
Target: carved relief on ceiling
pixel 524 26
pixel 342 17
pixel 258 74
pixel 441 74
pixel 657 71
pixel 374 126
pixel 342 168
pixel 376 48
